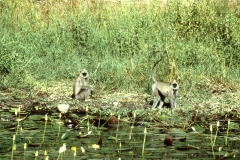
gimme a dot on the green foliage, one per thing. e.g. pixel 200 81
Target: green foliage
pixel 117 42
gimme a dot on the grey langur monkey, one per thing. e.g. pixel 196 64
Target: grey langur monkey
pixel 80 89
pixel 162 90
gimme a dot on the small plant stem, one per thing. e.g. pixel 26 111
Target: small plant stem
pixel 17 113
pixel 211 129
pixel 88 122
pixel 24 147
pixel 144 140
pixel 215 137
pixel 114 111
pixel 131 128
pixel 130 134
pixel 83 150
pixel 99 118
pixel 45 154
pixel 107 120
pixel 74 154
pixel 36 155
pixel 59 128
pixel 17 126
pixel 226 141
pixel 64 146
pixel 213 144
pixel 58 156
pixel 59 125
pixel 45 126
pixel 117 129
pixel 13 145
pixel 120 146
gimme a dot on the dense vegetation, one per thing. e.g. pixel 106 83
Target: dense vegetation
pixel 44 44
pixel 118 42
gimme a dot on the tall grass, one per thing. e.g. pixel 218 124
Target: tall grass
pixel 52 40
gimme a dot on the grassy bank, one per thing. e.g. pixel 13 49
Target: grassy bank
pixel 48 41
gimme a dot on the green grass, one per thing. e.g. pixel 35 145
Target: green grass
pixel 43 42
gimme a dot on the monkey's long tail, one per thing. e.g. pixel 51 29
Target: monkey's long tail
pixel 153 78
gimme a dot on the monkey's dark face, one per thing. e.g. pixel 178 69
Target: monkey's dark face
pixel 174 85
pixel 84 74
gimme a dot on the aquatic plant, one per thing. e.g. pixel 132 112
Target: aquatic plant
pixel 24 150
pixel 36 155
pixel 144 140
pixel 17 113
pixel 74 149
pixel 117 128
pixel 44 131
pixel 62 151
pixel 228 127
pixel 132 126
pixel 59 124
pixel 13 146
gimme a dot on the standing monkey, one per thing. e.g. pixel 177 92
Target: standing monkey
pixel 162 90
pixel 80 89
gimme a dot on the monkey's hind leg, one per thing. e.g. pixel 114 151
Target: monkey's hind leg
pixel 155 101
pixel 162 99
pixel 73 96
pixel 156 96
pixel 84 93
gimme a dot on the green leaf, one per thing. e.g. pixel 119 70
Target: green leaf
pixel 203 119
pixel 65 135
pixel 198 128
pixel 234 125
